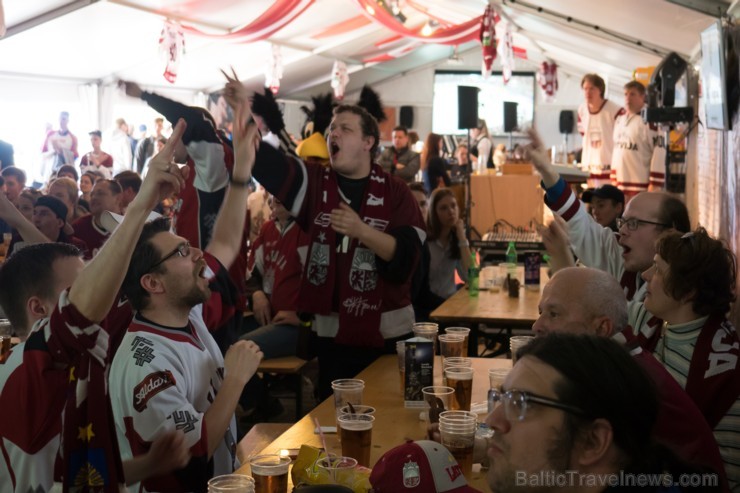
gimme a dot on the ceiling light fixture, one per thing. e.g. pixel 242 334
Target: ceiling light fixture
pixel 429 28
pixel 393 7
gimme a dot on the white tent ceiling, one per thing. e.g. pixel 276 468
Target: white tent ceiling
pixel 94 40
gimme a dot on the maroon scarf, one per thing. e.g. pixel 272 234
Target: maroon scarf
pixel 92 461
pixel 360 286
pixel 714 377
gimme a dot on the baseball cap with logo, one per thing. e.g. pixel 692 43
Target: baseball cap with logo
pixel 420 466
pixel 53 203
pixel 604 192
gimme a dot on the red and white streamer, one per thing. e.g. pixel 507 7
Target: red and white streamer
pixel 453 35
pixel 172 49
pixel 279 15
pixel 547 78
pixel 274 69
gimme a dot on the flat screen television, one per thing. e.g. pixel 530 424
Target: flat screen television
pixel 714 77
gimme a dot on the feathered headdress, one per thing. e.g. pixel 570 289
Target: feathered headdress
pixel 266 107
pixel 319 116
pixel 370 101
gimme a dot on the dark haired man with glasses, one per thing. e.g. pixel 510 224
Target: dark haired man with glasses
pixel 566 420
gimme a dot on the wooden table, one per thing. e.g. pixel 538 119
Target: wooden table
pixel 492 307
pixel 393 423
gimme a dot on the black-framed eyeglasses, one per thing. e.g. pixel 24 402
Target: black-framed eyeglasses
pixel 633 223
pixel 516 403
pixel 183 250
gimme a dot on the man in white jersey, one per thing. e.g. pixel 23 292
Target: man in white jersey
pixel 638 162
pixel 169 373
pixel 596 117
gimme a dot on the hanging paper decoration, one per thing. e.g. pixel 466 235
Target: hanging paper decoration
pixel 171 48
pixel 274 69
pixel 488 41
pixel 506 50
pixel 547 78
pixel 339 79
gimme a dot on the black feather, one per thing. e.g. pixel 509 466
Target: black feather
pixel 264 105
pixel 323 112
pixel 370 100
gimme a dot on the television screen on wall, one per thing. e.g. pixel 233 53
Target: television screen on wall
pixel 713 76
pixel 491 97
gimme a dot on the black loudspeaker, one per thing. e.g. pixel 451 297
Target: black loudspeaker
pixel 509 116
pixel 566 122
pixel 467 107
pixel 406 116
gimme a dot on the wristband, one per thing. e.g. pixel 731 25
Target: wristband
pixel 240 183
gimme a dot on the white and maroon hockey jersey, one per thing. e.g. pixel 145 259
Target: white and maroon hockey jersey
pixel 597 130
pixel 639 155
pixel 165 378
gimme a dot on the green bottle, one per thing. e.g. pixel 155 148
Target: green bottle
pixel 473 273
pixel 511 255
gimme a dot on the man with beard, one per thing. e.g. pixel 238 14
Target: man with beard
pixel 624 255
pixel 565 420
pixel 169 372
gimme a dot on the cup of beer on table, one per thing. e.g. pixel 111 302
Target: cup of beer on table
pixel 516 342
pixel 230 483
pixel 463 331
pixel 356 433
pixel 347 391
pixel 437 398
pixel 457 432
pixel 270 473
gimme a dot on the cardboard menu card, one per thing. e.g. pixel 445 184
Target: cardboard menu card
pixel 419 370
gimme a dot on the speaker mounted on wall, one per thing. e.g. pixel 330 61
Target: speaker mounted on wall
pixel 467 107
pixel 406 116
pixel 567 119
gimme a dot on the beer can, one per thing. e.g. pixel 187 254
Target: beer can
pixel 532 262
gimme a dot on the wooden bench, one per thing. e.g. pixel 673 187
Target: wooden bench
pixel 260 436
pixel 291 366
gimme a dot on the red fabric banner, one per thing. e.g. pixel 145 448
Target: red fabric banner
pixel 453 35
pixel 279 15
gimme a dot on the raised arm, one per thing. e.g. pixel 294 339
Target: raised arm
pixel 14 218
pixel 225 244
pixel 95 289
pixel 541 162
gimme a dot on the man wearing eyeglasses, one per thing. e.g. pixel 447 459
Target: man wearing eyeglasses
pixel 168 373
pixel 575 414
pixel 625 254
